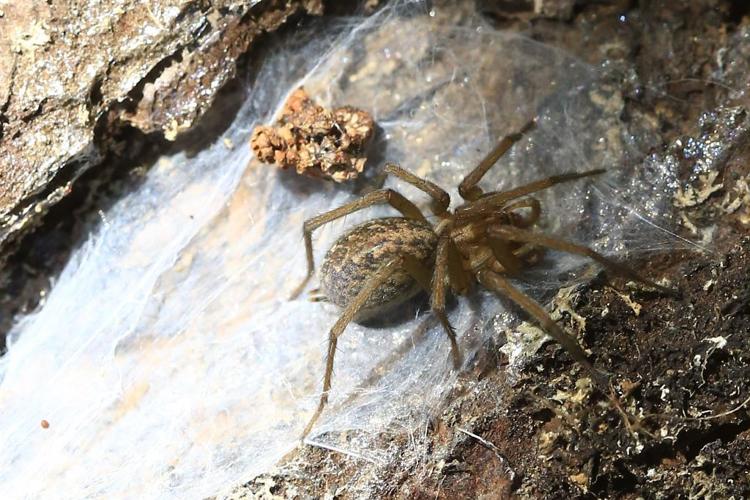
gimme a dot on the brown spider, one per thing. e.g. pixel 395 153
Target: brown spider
pixel 382 263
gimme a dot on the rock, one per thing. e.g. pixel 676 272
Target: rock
pixel 73 73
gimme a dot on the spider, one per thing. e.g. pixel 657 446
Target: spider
pixel 382 263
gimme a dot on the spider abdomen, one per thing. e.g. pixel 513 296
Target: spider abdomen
pixel 362 251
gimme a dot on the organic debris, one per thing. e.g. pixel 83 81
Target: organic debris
pixel 314 141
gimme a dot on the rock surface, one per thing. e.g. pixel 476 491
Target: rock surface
pixel 73 73
pixel 88 90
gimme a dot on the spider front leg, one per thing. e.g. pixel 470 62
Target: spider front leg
pixel 393 198
pixel 440 199
pixel 468 188
pixel 418 271
pixel 490 202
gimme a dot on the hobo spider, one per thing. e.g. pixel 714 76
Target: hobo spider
pixel 382 263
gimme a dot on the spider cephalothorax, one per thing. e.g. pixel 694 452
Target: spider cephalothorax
pixel 384 262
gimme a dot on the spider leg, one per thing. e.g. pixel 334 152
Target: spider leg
pixel 532 218
pixel 504 255
pixel 416 270
pixel 499 284
pixel 522 235
pixel 490 202
pixel 418 336
pixel 316 295
pixel 440 199
pixel 437 298
pixel 468 188
pixel 511 259
pixel 375 281
pixel 393 198
pixel 459 278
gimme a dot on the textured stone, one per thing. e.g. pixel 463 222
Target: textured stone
pixel 73 72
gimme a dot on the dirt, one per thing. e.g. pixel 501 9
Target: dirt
pixel 314 141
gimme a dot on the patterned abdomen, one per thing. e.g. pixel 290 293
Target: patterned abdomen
pixel 359 253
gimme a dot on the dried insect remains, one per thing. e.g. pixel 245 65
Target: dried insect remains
pixel 382 263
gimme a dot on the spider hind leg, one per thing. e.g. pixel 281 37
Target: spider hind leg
pixel 416 270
